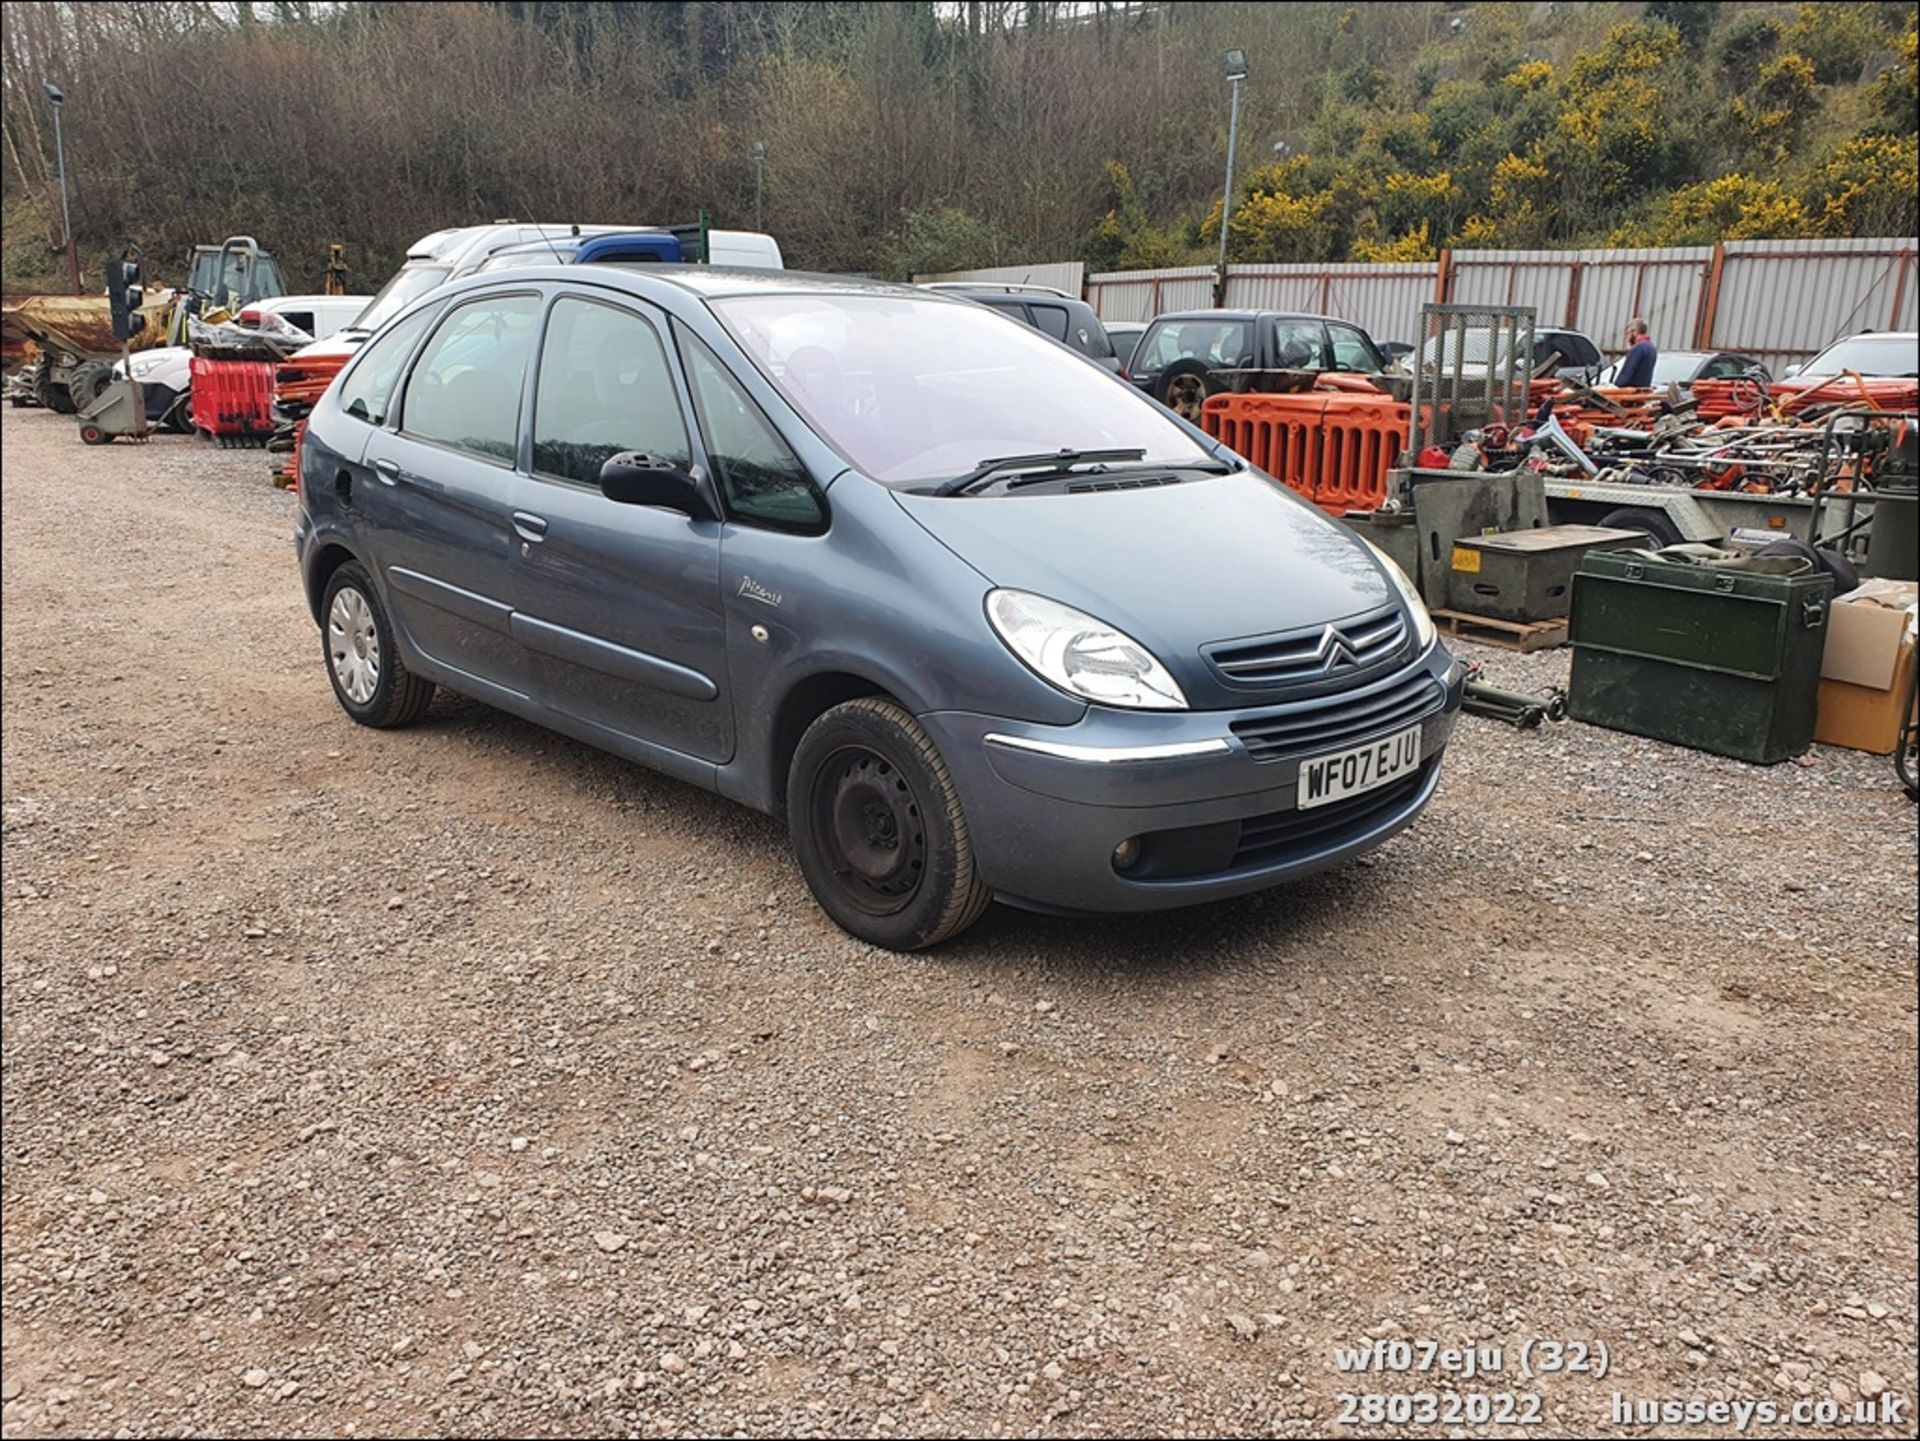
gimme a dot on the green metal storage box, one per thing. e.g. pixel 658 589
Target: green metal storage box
pixel 1723 660
pixel 1526 575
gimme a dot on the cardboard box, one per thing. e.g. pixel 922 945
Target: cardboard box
pixel 1866 670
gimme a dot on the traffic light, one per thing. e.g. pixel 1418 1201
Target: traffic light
pixel 124 297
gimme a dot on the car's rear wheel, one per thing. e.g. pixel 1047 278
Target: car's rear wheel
pixel 878 829
pixel 370 680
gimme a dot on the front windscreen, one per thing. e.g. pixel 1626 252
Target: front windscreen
pixel 1868 354
pixel 408 284
pixel 916 390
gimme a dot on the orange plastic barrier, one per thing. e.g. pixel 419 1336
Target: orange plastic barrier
pixel 232 399
pixel 1334 449
pixel 297 385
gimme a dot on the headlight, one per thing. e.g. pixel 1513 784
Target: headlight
pixel 1081 655
pixel 142 367
pixel 1422 622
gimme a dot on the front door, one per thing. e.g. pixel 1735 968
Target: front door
pixel 442 488
pixel 617 606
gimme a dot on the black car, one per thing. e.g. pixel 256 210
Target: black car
pixel 1185 357
pixel 1049 311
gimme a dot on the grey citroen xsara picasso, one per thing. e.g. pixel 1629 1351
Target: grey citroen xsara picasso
pixel 976 617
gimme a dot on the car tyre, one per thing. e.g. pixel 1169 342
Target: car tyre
pixel 370 680
pixel 878 829
pixel 1183 388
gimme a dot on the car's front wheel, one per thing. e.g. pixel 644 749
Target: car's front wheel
pixel 371 682
pixel 878 828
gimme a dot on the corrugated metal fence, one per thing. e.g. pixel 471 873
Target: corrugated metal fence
pixel 1778 300
pixel 1066 275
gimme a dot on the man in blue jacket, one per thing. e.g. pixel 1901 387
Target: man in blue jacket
pixel 1636 371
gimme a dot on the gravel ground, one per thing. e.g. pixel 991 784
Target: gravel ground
pixel 465 1080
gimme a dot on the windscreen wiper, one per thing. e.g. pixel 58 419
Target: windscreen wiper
pixel 1205 467
pixel 1060 461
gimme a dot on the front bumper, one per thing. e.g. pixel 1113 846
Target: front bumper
pixel 1047 805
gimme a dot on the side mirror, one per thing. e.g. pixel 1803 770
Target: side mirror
pixel 635 478
pixel 1790 371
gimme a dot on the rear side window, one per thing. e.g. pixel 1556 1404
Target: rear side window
pixel 604 387
pixel 764 482
pixel 1211 342
pixel 464 391
pixel 367 390
pixel 1051 319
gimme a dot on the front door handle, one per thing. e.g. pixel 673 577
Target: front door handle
pixel 530 527
pixel 388 471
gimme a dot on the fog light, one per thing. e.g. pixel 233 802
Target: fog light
pixel 1126 854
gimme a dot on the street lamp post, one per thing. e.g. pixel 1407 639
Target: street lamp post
pixel 759 181
pixel 56 97
pixel 1236 72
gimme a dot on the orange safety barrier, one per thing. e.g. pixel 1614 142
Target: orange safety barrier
pixel 1334 449
pixel 232 399
pixel 298 385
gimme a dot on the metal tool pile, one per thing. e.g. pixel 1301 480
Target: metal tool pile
pixel 1726 435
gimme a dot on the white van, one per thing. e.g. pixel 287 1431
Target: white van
pixel 446 255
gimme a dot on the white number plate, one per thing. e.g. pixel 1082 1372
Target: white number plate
pixel 1347 773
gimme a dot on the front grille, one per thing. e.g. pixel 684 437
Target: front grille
pixel 1325 721
pixel 1222 846
pixel 1312 654
pixel 1266 838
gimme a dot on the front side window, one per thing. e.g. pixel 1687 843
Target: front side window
pixel 1353 351
pixel 918 389
pixel 465 390
pixel 367 390
pixel 762 480
pixel 604 387
pixel 1299 345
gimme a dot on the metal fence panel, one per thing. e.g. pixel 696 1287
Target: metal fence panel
pixel 1779 300
pixel 1784 300
pixel 1383 300
pixel 1066 275
pixel 1143 294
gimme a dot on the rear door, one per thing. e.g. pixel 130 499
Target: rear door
pixel 442 487
pixel 617 606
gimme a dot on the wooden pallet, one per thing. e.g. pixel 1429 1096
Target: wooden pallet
pixel 1521 635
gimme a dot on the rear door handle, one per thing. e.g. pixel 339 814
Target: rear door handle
pixel 388 470
pixel 531 527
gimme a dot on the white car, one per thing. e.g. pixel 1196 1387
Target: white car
pixel 165 373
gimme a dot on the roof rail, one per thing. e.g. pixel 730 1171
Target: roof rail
pixel 1005 286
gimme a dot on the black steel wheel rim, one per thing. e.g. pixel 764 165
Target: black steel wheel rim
pixel 868 826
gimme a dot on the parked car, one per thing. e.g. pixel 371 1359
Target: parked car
pixel 1886 352
pixel 1125 335
pixel 1574 355
pixel 1049 311
pixel 978 620
pixel 1185 357
pixel 165 373
pixel 1683 367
